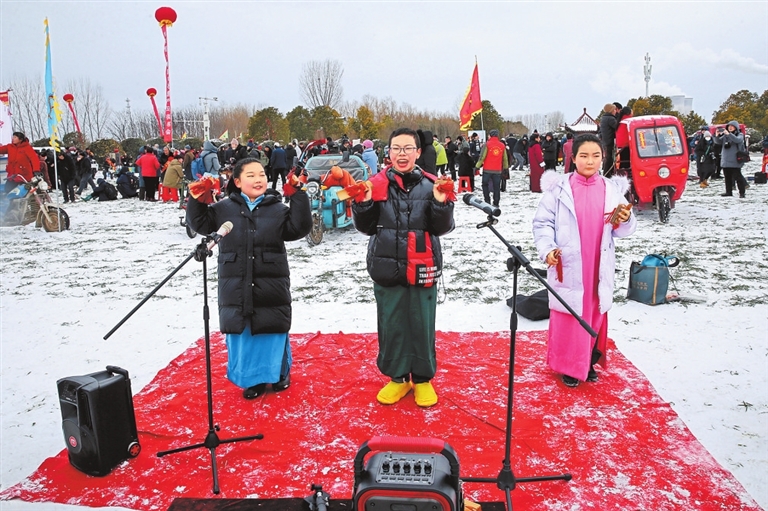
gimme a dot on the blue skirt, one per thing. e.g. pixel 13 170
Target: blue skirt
pixel 257 358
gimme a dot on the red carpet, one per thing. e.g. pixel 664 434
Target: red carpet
pixel 625 447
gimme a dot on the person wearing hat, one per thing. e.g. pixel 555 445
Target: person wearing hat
pixel 236 152
pixel 369 156
pixel 731 140
pixel 493 159
pixel 23 161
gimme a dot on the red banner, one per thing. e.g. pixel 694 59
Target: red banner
pixel 157 115
pixel 168 131
pixel 74 117
pixel 472 104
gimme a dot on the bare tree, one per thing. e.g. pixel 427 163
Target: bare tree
pixel 121 125
pixel 320 83
pixel 93 111
pixel 28 106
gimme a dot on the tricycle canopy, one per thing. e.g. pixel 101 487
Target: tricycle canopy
pixel 318 166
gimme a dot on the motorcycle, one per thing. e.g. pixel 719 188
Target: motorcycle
pixel 30 202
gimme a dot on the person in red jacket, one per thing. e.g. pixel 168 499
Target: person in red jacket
pixel 149 165
pixel 536 161
pixel 22 161
pixel 493 159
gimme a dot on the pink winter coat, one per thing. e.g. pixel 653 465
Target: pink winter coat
pixel 555 226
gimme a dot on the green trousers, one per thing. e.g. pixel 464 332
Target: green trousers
pixel 406 327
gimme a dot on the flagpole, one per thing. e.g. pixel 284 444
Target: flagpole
pixel 482 126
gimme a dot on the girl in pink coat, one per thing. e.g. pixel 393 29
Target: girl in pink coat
pixel 574 235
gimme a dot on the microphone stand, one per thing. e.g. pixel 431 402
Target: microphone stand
pixel 212 440
pixel 506 480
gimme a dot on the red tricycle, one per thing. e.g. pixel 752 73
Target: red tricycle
pixel 653 153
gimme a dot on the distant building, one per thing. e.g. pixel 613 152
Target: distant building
pixel 682 104
pixel 584 124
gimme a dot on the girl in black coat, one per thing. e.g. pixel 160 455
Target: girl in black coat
pixel 254 279
pixel 549 148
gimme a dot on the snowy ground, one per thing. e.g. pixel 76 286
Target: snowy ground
pixel 62 292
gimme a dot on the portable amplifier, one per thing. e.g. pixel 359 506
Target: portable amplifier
pixel 98 420
pixel 407 474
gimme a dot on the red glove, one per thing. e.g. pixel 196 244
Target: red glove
pixel 292 185
pixel 202 190
pixel 445 185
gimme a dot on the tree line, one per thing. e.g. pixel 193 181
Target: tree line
pixel 324 114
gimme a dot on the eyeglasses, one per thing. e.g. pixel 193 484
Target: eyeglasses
pixel 409 149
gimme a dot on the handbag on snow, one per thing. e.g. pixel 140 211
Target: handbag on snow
pixel 648 284
pixel 534 307
pixel 743 156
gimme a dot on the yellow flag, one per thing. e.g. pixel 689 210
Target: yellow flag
pixel 224 136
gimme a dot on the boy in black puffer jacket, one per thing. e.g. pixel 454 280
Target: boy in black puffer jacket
pixel 404 212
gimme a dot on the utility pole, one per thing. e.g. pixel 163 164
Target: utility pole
pixel 647 72
pixel 206 117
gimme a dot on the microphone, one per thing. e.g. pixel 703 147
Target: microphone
pixel 225 229
pixel 471 200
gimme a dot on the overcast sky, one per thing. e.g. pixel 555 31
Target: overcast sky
pixel 534 57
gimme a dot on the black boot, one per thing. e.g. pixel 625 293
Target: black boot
pixel 255 391
pixel 283 384
pixel 142 193
pixel 592 374
pixel 570 381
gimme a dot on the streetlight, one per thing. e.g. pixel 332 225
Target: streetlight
pixel 206 118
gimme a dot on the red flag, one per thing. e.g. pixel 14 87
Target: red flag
pixel 472 104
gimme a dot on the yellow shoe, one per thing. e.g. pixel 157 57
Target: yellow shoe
pixel 393 392
pixel 424 394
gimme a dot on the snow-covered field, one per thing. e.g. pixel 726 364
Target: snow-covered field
pixel 62 292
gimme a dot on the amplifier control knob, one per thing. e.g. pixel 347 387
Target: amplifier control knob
pixel 407 467
pixel 385 467
pixel 427 468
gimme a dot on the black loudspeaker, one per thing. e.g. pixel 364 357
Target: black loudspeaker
pixel 407 474
pixel 98 420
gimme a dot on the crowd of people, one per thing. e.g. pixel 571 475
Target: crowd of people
pixel 404 200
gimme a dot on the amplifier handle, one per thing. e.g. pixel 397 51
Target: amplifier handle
pixel 118 370
pixel 399 443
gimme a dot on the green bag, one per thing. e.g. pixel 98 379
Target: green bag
pixel 648 284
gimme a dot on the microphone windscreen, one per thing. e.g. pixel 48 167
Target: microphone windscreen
pixel 226 228
pixel 468 198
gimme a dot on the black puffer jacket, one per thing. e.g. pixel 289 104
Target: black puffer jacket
pixel 549 147
pixel 412 209
pixel 254 280
pixel 428 158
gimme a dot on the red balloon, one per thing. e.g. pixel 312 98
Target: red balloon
pixel 165 16
pixel 151 92
pixel 69 98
